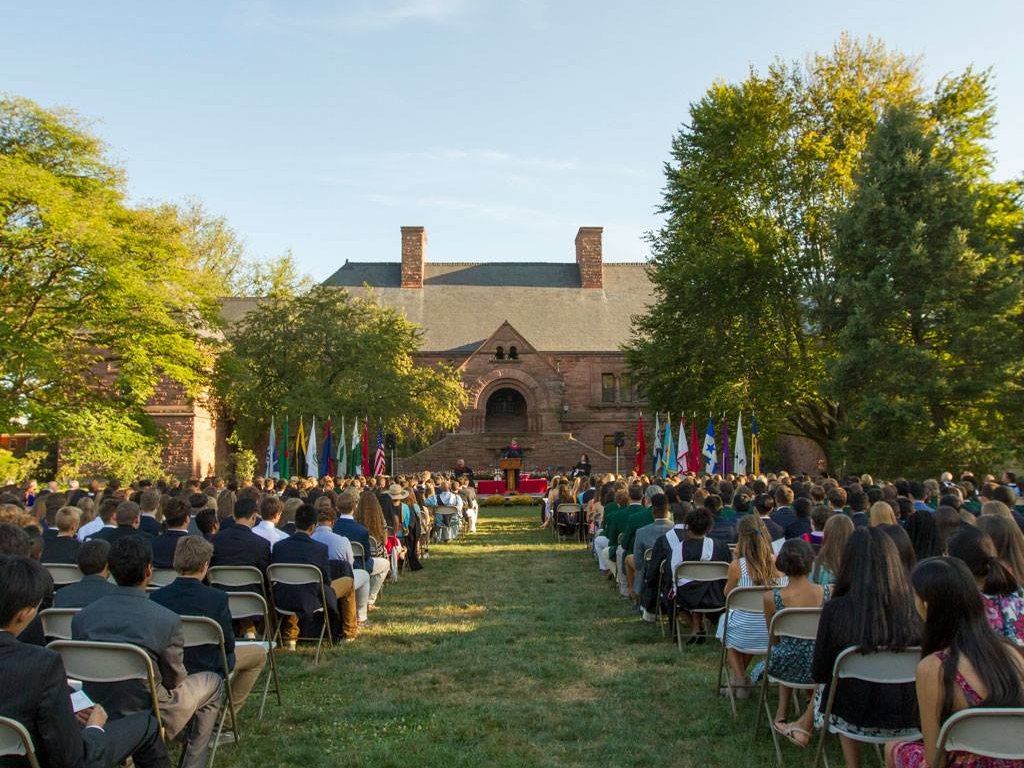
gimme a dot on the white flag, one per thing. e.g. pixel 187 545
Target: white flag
pixel 272 453
pixel 341 465
pixel 312 458
pixel 739 457
pixel 658 458
pixel 357 460
pixel 682 447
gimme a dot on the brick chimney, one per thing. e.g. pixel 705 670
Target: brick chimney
pixel 414 256
pixel 588 257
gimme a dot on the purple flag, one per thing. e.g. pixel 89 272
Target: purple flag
pixel 726 458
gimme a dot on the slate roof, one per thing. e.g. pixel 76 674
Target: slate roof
pixel 461 305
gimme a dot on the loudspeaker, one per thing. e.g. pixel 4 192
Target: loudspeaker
pixel 390 441
pixel 620 439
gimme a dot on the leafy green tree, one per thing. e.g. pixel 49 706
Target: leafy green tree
pixel 929 294
pixel 98 299
pixel 744 260
pixel 328 353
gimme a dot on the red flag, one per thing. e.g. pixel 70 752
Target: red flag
pixel 641 447
pixel 366 452
pixel 695 454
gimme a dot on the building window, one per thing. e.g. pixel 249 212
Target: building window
pixel 608 445
pixel 499 353
pixel 607 387
pixel 628 388
pixel 513 353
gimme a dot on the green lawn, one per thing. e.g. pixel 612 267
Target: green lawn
pixel 506 650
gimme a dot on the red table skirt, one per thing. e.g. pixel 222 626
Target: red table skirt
pixel 526 485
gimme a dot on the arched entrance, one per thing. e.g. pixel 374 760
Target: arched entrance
pixel 506 411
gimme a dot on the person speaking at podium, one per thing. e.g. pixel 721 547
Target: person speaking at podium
pixel 582 468
pixel 512 461
pixel 512 451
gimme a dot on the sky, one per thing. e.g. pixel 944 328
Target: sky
pixel 500 126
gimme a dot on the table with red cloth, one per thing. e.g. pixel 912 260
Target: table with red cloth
pixel 491 487
pixel 533 485
pixel 526 485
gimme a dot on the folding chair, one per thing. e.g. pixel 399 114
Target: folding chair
pixel 301 574
pixel 697 570
pixel 798 624
pixel 750 600
pixel 358 551
pixel 202 630
pixel 445 518
pixel 15 740
pixel 994 733
pixel 93 662
pixel 567 515
pixel 659 618
pixel 63 574
pixel 162 577
pixel 249 605
pixel 883 667
pixel 230 577
pixel 57 622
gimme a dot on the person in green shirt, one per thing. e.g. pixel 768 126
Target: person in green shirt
pixel 615 526
pixel 602 542
pixel 639 516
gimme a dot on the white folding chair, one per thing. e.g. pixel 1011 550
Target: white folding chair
pixel 15 740
pixel 882 667
pixel 445 519
pixel 57 622
pixel 63 574
pixel 990 732
pixel 162 577
pixel 199 631
pixel 302 574
pixel 697 570
pixel 250 605
pixel 797 624
pixel 92 662
pixel 749 600
pixel 567 515
pixel 230 577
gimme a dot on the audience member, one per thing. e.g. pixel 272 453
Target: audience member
pixel 63 548
pixel 177 517
pixel 95 582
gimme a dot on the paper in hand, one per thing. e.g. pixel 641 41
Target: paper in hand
pixel 80 701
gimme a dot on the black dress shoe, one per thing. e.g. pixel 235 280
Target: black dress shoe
pixel 696 640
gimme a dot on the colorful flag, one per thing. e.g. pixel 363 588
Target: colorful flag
pixel 726 458
pixel 739 464
pixel 365 451
pixel 353 450
pixel 682 448
pixel 379 463
pixel 312 459
pixel 300 447
pixel 641 447
pixel 342 457
pixel 656 458
pixel 327 452
pixel 668 461
pixel 708 450
pixel 694 444
pixel 271 458
pixel 755 446
pixel 286 453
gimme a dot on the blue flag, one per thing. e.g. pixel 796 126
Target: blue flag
pixel 709 451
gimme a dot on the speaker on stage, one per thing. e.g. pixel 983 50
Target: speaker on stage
pixel 620 439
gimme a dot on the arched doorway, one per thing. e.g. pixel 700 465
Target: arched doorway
pixel 506 411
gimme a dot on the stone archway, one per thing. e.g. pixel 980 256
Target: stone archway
pixel 506 411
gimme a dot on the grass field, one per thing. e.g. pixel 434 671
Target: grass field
pixel 507 649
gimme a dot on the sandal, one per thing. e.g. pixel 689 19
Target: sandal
pixel 790 731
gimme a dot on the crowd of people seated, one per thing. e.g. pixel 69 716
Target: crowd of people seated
pixel 934 565
pixel 144 554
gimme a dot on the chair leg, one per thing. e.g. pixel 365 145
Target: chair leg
pixel 821 746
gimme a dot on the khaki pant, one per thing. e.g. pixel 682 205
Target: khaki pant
pixel 344 590
pixel 249 662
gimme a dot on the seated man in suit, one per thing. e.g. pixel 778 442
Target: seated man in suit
pixel 63 548
pixel 189 704
pixel 94 584
pixel 378 568
pixel 188 596
pixel 354 605
pixel 270 511
pixel 644 539
pixel 104 519
pixel 149 502
pixel 177 516
pixel 127 517
pixel 50 505
pixel 305 599
pixel 34 689
pixel 238 545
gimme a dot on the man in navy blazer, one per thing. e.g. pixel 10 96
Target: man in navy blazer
pixel 345 525
pixel 238 545
pixel 34 689
pixel 149 502
pixel 94 584
pixel 177 515
pixel 188 596
pixel 304 599
pixel 127 517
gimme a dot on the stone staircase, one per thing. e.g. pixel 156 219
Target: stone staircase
pixel 544 452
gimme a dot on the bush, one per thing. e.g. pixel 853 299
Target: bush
pixel 493 501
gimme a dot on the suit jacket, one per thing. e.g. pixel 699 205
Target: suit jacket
pixel 149 525
pixel 113 535
pixel 645 539
pixel 61 549
pixel 354 531
pixel 34 691
pixel 127 615
pixel 163 548
pixel 238 545
pixel 84 592
pixel 190 597
pixel 723 530
pixel 303 599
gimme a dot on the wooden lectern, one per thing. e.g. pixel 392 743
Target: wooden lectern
pixel 511 468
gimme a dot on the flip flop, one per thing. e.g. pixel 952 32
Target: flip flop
pixel 788 730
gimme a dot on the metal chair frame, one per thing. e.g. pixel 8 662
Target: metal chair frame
pixel 750 600
pixel 202 630
pixel 998 724
pixel 57 622
pixel 63 574
pixel 15 740
pixel 325 629
pixel 240 604
pixel 697 570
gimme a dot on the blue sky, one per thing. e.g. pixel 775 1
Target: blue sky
pixel 500 126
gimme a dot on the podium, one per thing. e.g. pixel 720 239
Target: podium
pixel 511 469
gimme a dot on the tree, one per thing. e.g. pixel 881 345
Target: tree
pixel 929 294
pixel 328 353
pixel 743 263
pixel 98 299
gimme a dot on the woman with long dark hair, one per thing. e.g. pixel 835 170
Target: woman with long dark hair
pixel 872 606
pixel 924 535
pixel 837 532
pixel 965 664
pixel 1000 590
pixel 1008 541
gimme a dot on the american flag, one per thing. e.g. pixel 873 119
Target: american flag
pixel 378 456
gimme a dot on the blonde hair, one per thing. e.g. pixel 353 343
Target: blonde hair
pixel 997 508
pixel 754 544
pixel 191 553
pixel 881 514
pixel 67 519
